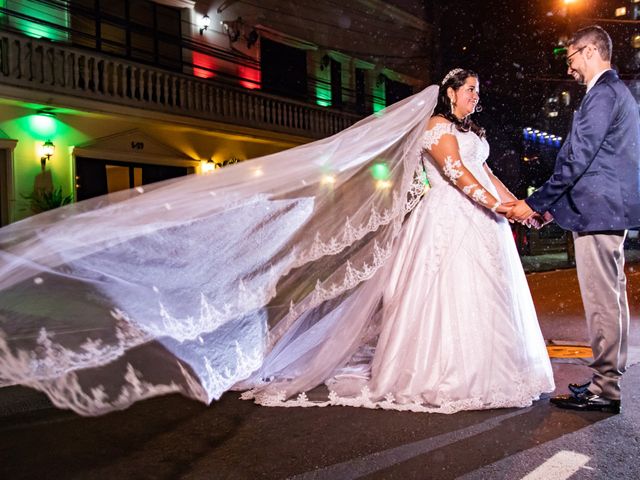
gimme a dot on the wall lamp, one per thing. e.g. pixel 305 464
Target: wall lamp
pixel 47 112
pixel 48 148
pixel 207 166
pixel 206 21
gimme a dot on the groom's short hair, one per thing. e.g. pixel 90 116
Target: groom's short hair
pixel 596 35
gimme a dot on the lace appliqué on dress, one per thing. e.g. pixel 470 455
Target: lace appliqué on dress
pixel 452 169
pixel 432 136
pixel 480 196
pixel 476 192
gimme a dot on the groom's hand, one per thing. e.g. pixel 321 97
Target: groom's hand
pixel 520 211
pixel 534 221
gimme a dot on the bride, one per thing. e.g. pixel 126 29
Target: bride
pixel 332 263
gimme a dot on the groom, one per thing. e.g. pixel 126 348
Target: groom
pixel 595 192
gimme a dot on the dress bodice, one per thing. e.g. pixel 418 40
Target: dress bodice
pixel 474 152
pixel 473 149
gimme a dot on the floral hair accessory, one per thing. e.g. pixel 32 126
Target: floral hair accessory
pixel 453 72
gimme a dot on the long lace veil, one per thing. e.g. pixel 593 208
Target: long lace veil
pixel 245 276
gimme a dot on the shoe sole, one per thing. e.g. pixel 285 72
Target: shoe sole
pixel 589 408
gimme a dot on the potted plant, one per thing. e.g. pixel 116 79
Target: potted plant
pixel 41 200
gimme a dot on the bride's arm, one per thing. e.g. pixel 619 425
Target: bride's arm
pixel 442 145
pixel 503 192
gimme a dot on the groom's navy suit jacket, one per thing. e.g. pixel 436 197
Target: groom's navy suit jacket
pixel 595 185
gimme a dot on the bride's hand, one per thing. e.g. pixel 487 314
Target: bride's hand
pixel 503 210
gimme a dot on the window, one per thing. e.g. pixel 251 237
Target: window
pixel 284 69
pixel 336 83
pixel 395 91
pixel 138 29
pixel 361 91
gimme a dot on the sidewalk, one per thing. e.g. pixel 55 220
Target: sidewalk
pixel 554 261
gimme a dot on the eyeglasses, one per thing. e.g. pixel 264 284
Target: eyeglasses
pixel 569 61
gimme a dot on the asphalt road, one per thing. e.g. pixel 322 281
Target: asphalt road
pixel 172 437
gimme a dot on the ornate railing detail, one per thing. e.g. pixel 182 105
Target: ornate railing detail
pixel 43 65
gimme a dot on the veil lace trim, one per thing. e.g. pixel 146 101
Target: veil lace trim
pixel 351 234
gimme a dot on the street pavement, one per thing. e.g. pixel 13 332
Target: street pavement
pixel 173 437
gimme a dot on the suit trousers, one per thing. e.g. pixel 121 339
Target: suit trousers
pixel 603 286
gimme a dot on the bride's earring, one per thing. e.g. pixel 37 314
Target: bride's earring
pixel 453 106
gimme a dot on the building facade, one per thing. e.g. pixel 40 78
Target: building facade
pixel 98 96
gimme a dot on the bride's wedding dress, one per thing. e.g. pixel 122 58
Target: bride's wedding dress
pixel 458 328
pixel 323 264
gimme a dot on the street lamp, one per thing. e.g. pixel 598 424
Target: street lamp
pixel 569 7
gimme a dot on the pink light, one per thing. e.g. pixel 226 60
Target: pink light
pixel 250 77
pixel 206 62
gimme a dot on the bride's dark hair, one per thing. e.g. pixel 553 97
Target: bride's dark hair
pixel 455 79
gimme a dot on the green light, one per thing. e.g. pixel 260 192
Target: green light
pixel 380 171
pixel 378 104
pixel 323 86
pixel 42 125
pixel 379 97
pixel 55 15
pixel 559 51
pixel 425 180
pixel 323 93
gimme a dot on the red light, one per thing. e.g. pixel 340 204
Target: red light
pixel 206 63
pixel 250 77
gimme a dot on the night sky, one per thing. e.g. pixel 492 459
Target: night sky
pixel 511 46
pixel 500 40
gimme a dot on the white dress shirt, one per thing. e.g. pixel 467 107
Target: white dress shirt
pixel 595 79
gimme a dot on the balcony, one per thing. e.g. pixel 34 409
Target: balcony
pixel 29 63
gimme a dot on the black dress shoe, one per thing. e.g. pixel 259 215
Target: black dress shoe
pixel 576 388
pixel 587 401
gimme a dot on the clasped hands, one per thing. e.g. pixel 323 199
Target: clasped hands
pixel 519 211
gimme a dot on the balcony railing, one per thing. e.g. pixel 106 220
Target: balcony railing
pixel 42 65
